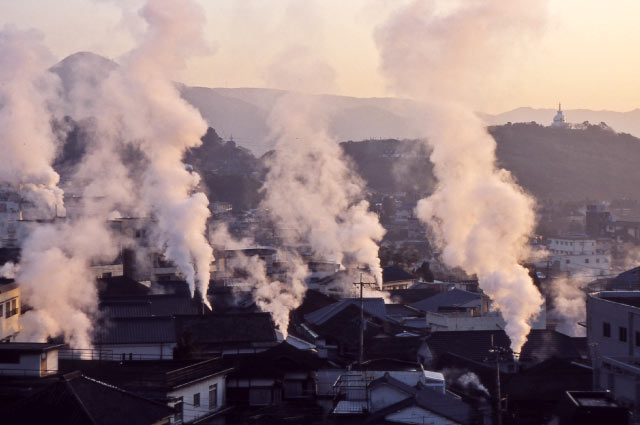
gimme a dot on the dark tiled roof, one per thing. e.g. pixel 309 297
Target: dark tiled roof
pixel 77 400
pixel 410 296
pixel 151 305
pixel 453 298
pixel 136 330
pixel 275 361
pixel 544 343
pixel 401 310
pixel 446 405
pixel 120 286
pixel 228 328
pixel 472 345
pixel 372 306
pixel 395 274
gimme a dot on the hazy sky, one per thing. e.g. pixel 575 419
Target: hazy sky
pixel 585 56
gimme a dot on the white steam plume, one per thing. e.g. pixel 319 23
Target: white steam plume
pixel 275 296
pixel 311 189
pixel 9 270
pixel 138 106
pixel 569 304
pixel 443 55
pixel 26 136
pixel 55 279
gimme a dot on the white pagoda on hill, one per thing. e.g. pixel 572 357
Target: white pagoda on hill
pixel 558 120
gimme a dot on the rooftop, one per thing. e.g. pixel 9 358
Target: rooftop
pixel 447 299
pixel 30 347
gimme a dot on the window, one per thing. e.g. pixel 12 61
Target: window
pixel 606 329
pixel 567 261
pixel 597 260
pixel 637 339
pixel 622 334
pixel 196 400
pixel 1 308
pixel 213 396
pixel 586 260
pixel 7 309
pixel 179 406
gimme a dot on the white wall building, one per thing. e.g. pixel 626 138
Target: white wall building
pixel 29 358
pixel 613 336
pixel 579 255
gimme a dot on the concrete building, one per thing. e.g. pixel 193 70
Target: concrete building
pixel 579 254
pixel 613 336
pixel 9 310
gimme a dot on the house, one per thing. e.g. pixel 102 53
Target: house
pixel 195 389
pixel 9 309
pixel 394 277
pixel 29 358
pixel 414 397
pixel 279 382
pixel 74 399
pixel 187 336
pixel 577 254
pixel 134 338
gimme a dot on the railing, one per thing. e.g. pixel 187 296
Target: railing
pixel 106 355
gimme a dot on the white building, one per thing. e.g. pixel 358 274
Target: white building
pixel 613 336
pixel 579 255
pixel 29 358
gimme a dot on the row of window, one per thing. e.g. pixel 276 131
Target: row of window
pixel 9 308
pixel 622 333
pixel 586 260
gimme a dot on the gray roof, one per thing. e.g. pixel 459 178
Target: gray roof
pixel 151 305
pixel 446 405
pixel 453 298
pixel 140 330
pixel 372 306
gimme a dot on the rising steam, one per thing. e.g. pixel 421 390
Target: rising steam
pixel 312 191
pixel 481 217
pixel 28 142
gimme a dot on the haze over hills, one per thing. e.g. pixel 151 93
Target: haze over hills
pixel 551 163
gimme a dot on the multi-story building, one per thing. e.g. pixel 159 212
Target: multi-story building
pixel 578 254
pixel 613 336
pixel 9 310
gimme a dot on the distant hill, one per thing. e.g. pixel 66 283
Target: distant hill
pixel 593 162
pixel 623 122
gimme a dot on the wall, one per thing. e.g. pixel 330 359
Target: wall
pixel 28 365
pixel 384 395
pixel 416 415
pixel 202 387
pixel 9 326
pixel 617 315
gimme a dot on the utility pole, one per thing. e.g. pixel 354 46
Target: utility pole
pixel 361 347
pixel 497 353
